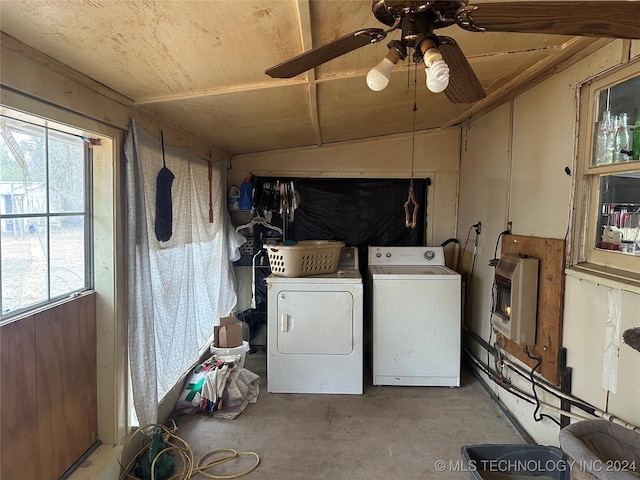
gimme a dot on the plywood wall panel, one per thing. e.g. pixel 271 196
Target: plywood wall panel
pixel 66 377
pixel 550 253
pixel 19 421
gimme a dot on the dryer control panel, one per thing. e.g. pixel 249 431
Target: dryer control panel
pixel 406 255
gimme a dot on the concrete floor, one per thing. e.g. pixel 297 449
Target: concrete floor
pixel 386 433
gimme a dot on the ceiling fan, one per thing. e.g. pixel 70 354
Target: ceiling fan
pixel 447 67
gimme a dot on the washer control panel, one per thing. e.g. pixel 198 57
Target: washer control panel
pixel 406 255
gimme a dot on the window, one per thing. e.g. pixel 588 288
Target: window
pixel 619 219
pixel 44 215
pixel 609 213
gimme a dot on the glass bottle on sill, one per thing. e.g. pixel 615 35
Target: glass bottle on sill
pixel 604 140
pixel 621 139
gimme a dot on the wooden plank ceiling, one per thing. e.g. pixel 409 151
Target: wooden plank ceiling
pixel 200 65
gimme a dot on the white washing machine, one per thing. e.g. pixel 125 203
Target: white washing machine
pixel 416 317
pixel 314 331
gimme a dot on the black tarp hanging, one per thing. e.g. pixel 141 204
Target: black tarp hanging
pixel 358 212
pixel 164 208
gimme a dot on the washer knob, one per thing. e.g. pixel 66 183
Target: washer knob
pixel 429 255
pixel 388 254
pixel 378 255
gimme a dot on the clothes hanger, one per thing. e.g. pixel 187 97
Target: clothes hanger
pixel 259 221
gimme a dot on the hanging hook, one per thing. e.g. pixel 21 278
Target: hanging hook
pixel 411 220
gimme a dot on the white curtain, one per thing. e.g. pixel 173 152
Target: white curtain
pixel 178 289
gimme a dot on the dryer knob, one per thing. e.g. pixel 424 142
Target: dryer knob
pixel 378 255
pixel 388 254
pixel 429 255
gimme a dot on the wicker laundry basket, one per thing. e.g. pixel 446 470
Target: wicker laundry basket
pixel 306 257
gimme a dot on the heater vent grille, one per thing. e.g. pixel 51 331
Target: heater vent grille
pixel 516 298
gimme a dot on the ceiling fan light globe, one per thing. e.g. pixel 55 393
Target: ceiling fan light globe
pixel 437 76
pixel 378 77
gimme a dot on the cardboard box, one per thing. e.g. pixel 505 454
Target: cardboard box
pixel 228 334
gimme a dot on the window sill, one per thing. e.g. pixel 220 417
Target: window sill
pixel 606 276
pixel 39 308
pixel 102 464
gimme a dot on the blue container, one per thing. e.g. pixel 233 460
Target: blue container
pixel 246 190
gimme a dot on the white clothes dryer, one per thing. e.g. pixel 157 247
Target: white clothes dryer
pixel 314 331
pixel 416 317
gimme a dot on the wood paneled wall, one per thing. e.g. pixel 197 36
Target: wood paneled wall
pixel 18 406
pixel 551 254
pixel 48 390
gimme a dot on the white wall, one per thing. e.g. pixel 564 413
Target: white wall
pixel 586 309
pixel 514 165
pixel 484 186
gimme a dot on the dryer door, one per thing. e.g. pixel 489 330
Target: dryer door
pixel 315 322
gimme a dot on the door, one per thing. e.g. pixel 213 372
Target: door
pixel 315 322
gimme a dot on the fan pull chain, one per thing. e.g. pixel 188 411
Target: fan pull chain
pixel 415 109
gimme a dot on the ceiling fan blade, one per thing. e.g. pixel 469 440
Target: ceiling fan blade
pixel 464 86
pixel 317 56
pixel 608 18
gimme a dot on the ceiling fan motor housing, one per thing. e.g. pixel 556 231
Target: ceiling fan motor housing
pixel 415 27
pixel 441 12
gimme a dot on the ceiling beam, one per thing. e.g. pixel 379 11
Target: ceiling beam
pixel 311 79
pixel 306 39
pixel 221 91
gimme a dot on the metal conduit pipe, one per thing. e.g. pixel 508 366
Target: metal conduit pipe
pixel 516 391
pixel 586 407
pixel 548 387
pixel 540 381
pixel 496 379
pixel 553 389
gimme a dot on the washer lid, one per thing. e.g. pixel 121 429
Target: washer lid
pixel 413 272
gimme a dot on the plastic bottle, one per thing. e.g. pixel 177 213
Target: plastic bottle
pixel 636 138
pixel 246 194
pixel 234 198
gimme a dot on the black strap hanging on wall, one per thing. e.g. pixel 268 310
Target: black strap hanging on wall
pixel 164 209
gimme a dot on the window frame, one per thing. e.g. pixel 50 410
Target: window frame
pixel 587 189
pixel 86 214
